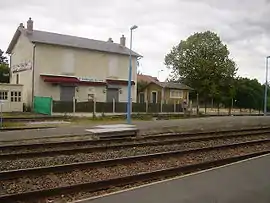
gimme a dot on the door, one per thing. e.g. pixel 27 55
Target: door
pixel 112 94
pixel 141 97
pixel 67 93
pixel 154 97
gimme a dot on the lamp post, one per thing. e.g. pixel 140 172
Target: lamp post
pixel 158 73
pixel 130 76
pixel 266 86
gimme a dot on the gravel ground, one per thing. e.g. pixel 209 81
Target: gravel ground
pixel 59 179
pixel 112 154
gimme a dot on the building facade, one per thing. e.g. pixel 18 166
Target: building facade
pixel 154 91
pixel 66 67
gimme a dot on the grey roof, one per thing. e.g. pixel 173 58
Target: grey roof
pixel 173 85
pixel 71 41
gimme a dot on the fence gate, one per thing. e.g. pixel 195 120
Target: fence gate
pixel 43 105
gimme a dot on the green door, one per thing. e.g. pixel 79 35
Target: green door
pixel 43 105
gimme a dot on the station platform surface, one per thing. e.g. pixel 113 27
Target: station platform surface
pixel 201 124
pixel 242 182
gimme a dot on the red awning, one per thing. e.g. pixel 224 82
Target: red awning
pixel 70 80
pixel 119 82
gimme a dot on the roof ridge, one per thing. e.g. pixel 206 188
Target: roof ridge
pixel 84 38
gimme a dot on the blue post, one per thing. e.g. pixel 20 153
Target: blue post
pixel 266 87
pixel 129 82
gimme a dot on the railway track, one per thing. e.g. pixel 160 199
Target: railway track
pixel 120 151
pixel 41 183
pixel 9 152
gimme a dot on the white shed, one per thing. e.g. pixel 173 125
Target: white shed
pixel 11 97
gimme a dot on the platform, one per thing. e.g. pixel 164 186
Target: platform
pixel 116 130
pixel 242 182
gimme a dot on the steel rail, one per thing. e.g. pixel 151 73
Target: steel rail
pixel 121 181
pixel 179 140
pixel 11 174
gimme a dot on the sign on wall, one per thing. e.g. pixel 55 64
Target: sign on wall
pixel 21 67
pixel 88 79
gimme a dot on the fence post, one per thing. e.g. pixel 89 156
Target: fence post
pixel 146 106
pixel 74 105
pixel 113 105
pixel 94 107
pixel 161 107
pixel 174 107
pixel 51 105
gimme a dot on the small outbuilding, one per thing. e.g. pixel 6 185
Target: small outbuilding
pixel 11 97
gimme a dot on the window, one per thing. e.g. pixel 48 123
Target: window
pixel 15 96
pixel 176 94
pixel 141 97
pixel 3 95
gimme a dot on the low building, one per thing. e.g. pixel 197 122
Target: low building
pixel 164 93
pixel 11 97
pixel 65 67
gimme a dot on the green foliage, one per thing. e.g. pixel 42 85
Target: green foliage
pixel 141 85
pixel 4 69
pixel 202 62
pixel 249 93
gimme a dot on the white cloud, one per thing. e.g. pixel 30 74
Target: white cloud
pixel 162 24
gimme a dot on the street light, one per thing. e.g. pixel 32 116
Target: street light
pixel 158 73
pixel 266 86
pixel 129 76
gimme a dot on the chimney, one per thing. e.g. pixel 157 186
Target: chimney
pixel 123 41
pixel 30 25
pixel 110 40
pixel 21 25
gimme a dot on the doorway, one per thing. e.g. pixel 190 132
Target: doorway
pixel 154 97
pixel 112 93
pixel 67 93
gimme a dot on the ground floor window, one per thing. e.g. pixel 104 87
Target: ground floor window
pixel 15 96
pixel 141 97
pixel 3 94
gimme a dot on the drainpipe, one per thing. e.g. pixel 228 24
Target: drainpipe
pixel 10 72
pixel 33 75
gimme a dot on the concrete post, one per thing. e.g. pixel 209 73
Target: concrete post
pixel 94 107
pixel 146 106
pixel 174 107
pixel 51 105
pixel 113 105
pixel 74 105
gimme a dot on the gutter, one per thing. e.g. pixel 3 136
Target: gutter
pixel 33 75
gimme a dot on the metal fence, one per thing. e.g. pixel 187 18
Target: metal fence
pixel 113 107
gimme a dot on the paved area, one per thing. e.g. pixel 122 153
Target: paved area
pixel 210 123
pixel 244 182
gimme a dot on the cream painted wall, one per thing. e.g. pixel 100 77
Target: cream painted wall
pixel 123 96
pixel 23 52
pixel 83 91
pixel 97 65
pixel 8 105
pixel 87 63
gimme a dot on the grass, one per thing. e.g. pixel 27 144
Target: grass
pixel 19 114
pixel 13 124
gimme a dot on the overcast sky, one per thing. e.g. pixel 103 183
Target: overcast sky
pixel 242 24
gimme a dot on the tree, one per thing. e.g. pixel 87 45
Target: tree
pixel 4 68
pixel 202 62
pixel 249 93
